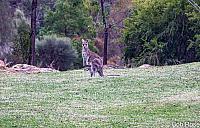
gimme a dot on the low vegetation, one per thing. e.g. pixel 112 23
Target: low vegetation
pixel 152 97
pixel 55 52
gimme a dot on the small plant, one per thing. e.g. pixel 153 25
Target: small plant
pixel 55 52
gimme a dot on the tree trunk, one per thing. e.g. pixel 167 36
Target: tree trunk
pixel 33 33
pixel 105 33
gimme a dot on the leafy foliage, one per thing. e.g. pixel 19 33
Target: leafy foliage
pixel 158 32
pixel 195 46
pixel 22 37
pixel 22 43
pixel 69 18
pixel 55 52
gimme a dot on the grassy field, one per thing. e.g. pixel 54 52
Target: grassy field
pixel 155 97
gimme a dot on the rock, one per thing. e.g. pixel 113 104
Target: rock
pixel 25 68
pixel 145 66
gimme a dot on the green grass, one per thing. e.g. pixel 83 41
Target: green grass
pixel 155 97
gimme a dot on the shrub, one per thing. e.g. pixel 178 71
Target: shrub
pixel 77 45
pixel 161 32
pixel 56 52
pixel 22 43
pixel 194 46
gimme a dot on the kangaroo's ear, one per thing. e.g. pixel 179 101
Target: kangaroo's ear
pixel 83 40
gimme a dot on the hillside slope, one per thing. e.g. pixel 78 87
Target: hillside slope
pixel 153 97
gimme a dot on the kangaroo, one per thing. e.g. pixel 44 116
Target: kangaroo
pixel 96 66
pixel 91 60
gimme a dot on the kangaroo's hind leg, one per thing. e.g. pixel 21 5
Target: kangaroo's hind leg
pixel 92 70
pixel 100 71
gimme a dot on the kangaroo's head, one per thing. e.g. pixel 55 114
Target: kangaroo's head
pixel 84 44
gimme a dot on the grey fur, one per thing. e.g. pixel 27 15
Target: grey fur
pixel 91 60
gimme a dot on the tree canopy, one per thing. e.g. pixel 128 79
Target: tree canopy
pixel 160 31
pixel 69 18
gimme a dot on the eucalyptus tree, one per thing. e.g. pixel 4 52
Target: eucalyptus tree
pixel 33 32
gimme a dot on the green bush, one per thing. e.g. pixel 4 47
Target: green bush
pixel 78 47
pixel 162 32
pixel 22 43
pixel 194 45
pixel 55 52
